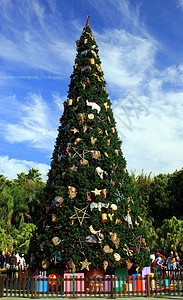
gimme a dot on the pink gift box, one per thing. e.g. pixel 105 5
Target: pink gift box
pixel 77 288
pixel 145 271
pixel 107 282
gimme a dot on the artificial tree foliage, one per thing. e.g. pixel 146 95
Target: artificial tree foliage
pixel 89 204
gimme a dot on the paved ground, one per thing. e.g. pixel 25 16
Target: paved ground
pixel 89 298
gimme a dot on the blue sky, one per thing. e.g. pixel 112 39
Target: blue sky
pixel 141 49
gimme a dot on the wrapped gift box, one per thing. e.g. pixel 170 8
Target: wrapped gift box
pixel 145 271
pixel 107 282
pixel 136 282
pixel 94 273
pixel 123 274
pixel 41 284
pixel 78 288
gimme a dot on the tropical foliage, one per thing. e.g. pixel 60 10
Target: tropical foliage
pixel 20 202
pixel 160 199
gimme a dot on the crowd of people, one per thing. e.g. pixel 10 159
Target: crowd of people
pixel 160 261
pixel 12 261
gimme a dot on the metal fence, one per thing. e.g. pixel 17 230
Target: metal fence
pixel 162 283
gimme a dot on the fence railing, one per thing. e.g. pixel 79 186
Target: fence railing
pixel 162 283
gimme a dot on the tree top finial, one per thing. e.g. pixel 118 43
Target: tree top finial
pixel 87 22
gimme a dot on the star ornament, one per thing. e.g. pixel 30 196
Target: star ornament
pixel 75 130
pixel 96 192
pixel 85 264
pixel 77 215
pixel 138 244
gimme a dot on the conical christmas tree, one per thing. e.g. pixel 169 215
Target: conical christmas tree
pixel 90 218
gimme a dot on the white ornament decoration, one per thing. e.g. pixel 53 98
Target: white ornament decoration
pixel 99 205
pixel 100 172
pixel 128 219
pixel 94 106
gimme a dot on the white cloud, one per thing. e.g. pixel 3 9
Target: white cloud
pixel 155 141
pixel 127 59
pixel 180 4
pixel 35 41
pixel 11 167
pixel 37 124
pixel 59 101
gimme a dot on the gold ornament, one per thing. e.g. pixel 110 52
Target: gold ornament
pixel 53 218
pixel 83 161
pixel 106 104
pixel 93 140
pixel 94 53
pixel 104 192
pixel 96 154
pixel 116 151
pixel 85 128
pixel 85 264
pixel 72 192
pixel 108 142
pixel 117 257
pixel 129 264
pixel 77 141
pixel 99 68
pixel 114 206
pixel 56 241
pixel 80 118
pixel 106 154
pixel 71 266
pixel 100 130
pixel 104 218
pixel 75 130
pixel 112 182
pixel 45 264
pixel 115 239
pixel 111 216
pixel 113 129
pixel 93 231
pixel 77 100
pixel 91 116
pixel 105 264
pixel 128 251
pixel 136 223
pixel 96 192
pixel 107 249
pixel 69 102
pixel 85 40
pixel 124 170
pixel 83 85
pixel 92 61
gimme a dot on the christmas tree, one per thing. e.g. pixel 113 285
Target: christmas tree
pixel 90 218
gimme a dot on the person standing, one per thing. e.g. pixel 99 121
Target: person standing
pixel 13 263
pixel 169 261
pixel 3 260
pixel 177 259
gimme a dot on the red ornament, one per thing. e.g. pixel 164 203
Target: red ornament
pixel 55 280
pixel 88 198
